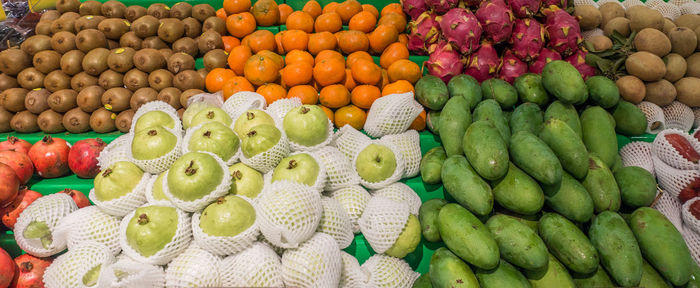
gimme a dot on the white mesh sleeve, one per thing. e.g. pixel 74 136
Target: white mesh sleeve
pixel 398 172
pixel 315 263
pixel 89 224
pixel 587 35
pixel 669 10
pixel 268 160
pixel 383 221
pixel 353 199
pixel 655 116
pixel 392 114
pixel 127 273
pixel 240 102
pixel 182 239
pixel 352 276
pixel 339 171
pixel 199 204
pixel 117 150
pixel 638 153
pixel 688 219
pixel 387 271
pixel 69 269
pixel 127 202
pixel 679 116
pixel 585 2
pixel 696 114
pixel 673 180
pixel 690 8
pixel 409 144
pixel 692 240
pixel 680 3
pixel 281 107
pixel 224 245
pixel 256 266
pixel 49 209
pixel 335 222
pixel 349 141
pixel 157 106
pixel 401 192
pixel 670 206
pixel 662 149
pixel 195 267
pixel 626 3
pixel 150 199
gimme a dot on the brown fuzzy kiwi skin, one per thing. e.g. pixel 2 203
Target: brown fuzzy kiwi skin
pixel 193 28
pixel 90 7
pixel 203 11
pixel 37 100
pixel 50 122
pixel 171 29
pixel 72 62
pixel 134 12
pixel 142 96
pixel 179 62
pixel 36 44
pixel 209 40
pixel 661 92
pixel 145 26
pixel 89 39
pixel 7 82
pixel 63 42
pixel 186 45
pixel 43 27
pixel 63 100
pixel 47 61
pixel 675 67
pixel 88 22
pixel 110 79
pixel 214 23
pixel 683 40
pixel 49 15
pixel 64 6
pixel 653 41
pixel 123 121
pixel 30 78
pixel 114 28
pixel 187 94
pixel 130 40
pixel 13 61
pixel 203 72
pixel 160 79
pixel 159 10
pixel 24 122
pixel 82 80
pixel 148 60
pixel 95 61
pixel 57 80
pixel 188 79
pixel 13 99
pixel 181 10
pixel 113 9
pixel 171 95
pixel 76 121
pixel 153 42
pixel 116 99
pixel 166 53
pixel 5 117
pixel 121 59
pixel 216 58
pixel 69 15
pixel 102 121
pixel 63 24
pixel 135 79
pixel 90 98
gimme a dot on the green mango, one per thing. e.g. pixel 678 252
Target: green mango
pixel 423 281
pixel 602 91
pixel 465 186
pixel 431 165
pixel 568 243
pixel 466 86
pixel 485 149
pixel 432 121
pixel 505 275
pixel 630 120
pixel 527 117
pixel 535 158
pixel 489 110
pixel 568 147
pixel 566 113
pixel 599 134
pixel 447 270
pixel 501 91
pixel 518 192
pixel 564 82
pixel 454 120
pixel 598 279
pixel 601 186
pixel 518 243
pixel 151 228
pixel 570 199
pixel 651 278
pixel 617 248
pixel 618 163
pixel 530 89
pixel 554 275
pixel 467 237
pixel 531 221
pixel 637 186
pixel 431 92
pixel 428 214
pixel 694 277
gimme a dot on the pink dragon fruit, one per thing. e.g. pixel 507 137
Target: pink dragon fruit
pixel 483 63
pixel 413 8
pixel 563 31
pixel 444 62
pixel 424 31
pixel 511 67
pixel 524 8
pixel 461 29
pixel 559 3
pixel 472 3
pixel 578 60
pixel 527 39
pixel 546 56
pixel 441 6
pixel 496 19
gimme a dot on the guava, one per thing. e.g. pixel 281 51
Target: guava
pixel 375 163
pixel 301 168
pixel 228 216
pixel 152 143
pixel 408 239
pixel 194 175
pixel 90 278
pixel 260 139
pixel 191 111
pixel 216 138
pixel 157 189
pixel 211 114
pixel 246 181
pixel 117 180
pixel 306 125
pixel 250 119
pixel 151 228
pixel 39 230
pixel 152 119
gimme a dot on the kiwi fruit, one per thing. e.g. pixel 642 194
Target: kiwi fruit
pixel 135 79
pixel 160 79
pixel 43 27
pixel 90 98
pixel 691 21
pixel 217 24
pixel 24 122
pixel 153 42
pixel 116 99
pixel 89 39
pixel 13 99
pixel 14 60
pixel 30 78
pixel 69 15
pixel 181 10
pixel 134 12
pixel 37 100
pixel 47 61
pixel 185 96
pixel 653 41
pixel 171 29
pixel 36 44
pixel 145 26
pixel 123 120
pixel 63 100
pixel 111 79
pixel 50 122
pixel 660 92
pixel 193 28
pixel 159 10
pixel 82 80
pixel 49 15
pixel 63 42
pixel 188 79
pixel 72 62
pixel 203 11
pixel 216 58
pixel 209 40
pixel 113 9
pixel 619 24
pixel 63 6
pixel 142 96
pixel 114 28
pixel 95 61
pixel 203 72
pixel 180 62
pixel 102 121
pixel 171 95
pixel 5 117
pixel 76 121
pixel 121 59
pixel 88 22
pixel 129 39
pixel 7 82
pixel 148 60
pixel 166 53
pixel 57 80
pixel 186 45
pixel 683 40
pixel 63 24
pixel 90 7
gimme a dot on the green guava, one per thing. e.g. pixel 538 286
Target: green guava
pixel 194 175
pixel 246 181
pixel 157 189
pixel 90 278
pixel 39 230
pixel 260 139
pixel 211 114
pixel 228 216
pixel 300 168
pixel 191 111
pixel 216 138
pixel 152 143
pixel 376 163
pixel 408 239
pixel 306 125
pixel 152 119
pixel 151 228
pixel 117 180
pixel 250 119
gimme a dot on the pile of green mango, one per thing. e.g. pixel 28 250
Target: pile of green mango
pixel 539 194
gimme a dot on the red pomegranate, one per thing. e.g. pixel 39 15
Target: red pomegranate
pixel 82 158
pixel 9 185
pixel 50 157
pixel 78 197
pixel 7 268
pixel 31 271
pixel 20 162
pixel 23 199
pixel 15 144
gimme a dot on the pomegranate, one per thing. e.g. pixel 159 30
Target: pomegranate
pixel 15 144
pixel 50 157
pixel 78 197
pixel 31 271
pixel 19 162
pixel 82 158
pixel 9 185
pixel 23 199
pixel 7 268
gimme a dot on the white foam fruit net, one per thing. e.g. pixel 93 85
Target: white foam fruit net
pixel 679 116
pixel 69 269
pixel 626 3
pixel 281 107
pixel 387 271
pixel 127 273
pixel 89 224
pixel 127 202
pixel 288 213
pixel 182 239
pixel 240 102
pixel 668 10
pixel 666 152
pixel 690 8
pixel 224 245
pixel 315 263
pixel 335 222
pixel 49 209
pixel 398 172
pixel 352 275
pixel 195 267
pixel 157 106
pixel 688 219
pixel 696 120
pixel 638 153
pixel 115 151
pixel 191 131
pixel 329 138
pixel 409 144
pixel 162 163
pixel 349 141
pixel 150 199
pixel 680 3
pixel 339 171
pixel 587 35
pixel 585 2
pixel 655 117
pixel 353 199
pixel 256 266
pixel 670 206
pixel 277 249
pixel 392 114
pixel 199 204
pixel 673 180
pixel 401 192
pixel 267 160
pixel 653 3
pixel 382 222
pixel 692 240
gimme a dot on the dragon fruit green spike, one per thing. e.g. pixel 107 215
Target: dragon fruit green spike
pixel 496 19
pixel 563 31
pixel 423 32
pixel 546 55
pixel 444 62
pixel 578 60
pixel 524 8
pixel 441 6
pixel 559 3
pixel 527 39
pixel 483 63
pixel 511 67
pixel 413 8
pixel 461 29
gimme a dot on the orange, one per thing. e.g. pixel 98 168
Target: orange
pixel 329 22
pixel 371 9
pixel 322 41
pixel 394 19
pixel 403 38
pixel 241 24
pixel 230 42
pixel 313 8
pixel 330 7
pixel 285 11
pixel 217 77
pixel 272 92
pixel 236 84
pixel 347 9
pixel 306 93
pixel 278 42
pixel 349 82
pixel 328 54
pixel 297 74
pixel 236 6
pixel 385 79
pixel 237 58
pixel 350 115
pixel 363 21
pixel 221 13
pixel 328 112
pixel 329 71
pixel 259 70
pixel 261 40
pixel 354 56
pixel 393 8
pixel 404 70
pixel 334 96
pixel 418 124
pixel 276 58
pixel 295 39
pixel 266 12
pixel 392 53
pixel 300 20
pixel 398 87
pixel 296 56
pixel 364 95
pixel 366 72
pixel 353 40
pixel 382 37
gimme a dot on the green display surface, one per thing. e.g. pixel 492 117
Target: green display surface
pixel 70 137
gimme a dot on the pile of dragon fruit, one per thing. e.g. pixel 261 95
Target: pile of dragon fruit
pixel 494 38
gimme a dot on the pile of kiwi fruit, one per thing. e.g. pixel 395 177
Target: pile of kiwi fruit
pixel 91 65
